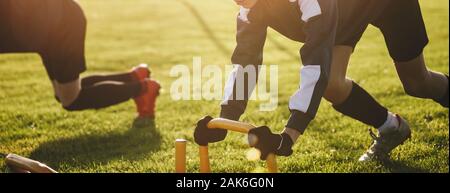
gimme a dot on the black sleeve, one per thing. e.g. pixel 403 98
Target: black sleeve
pixel 316 55
pixel 250 38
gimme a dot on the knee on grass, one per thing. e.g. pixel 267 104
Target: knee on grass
pixel 67 93
pixel 70 105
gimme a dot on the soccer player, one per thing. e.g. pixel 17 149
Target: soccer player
pixel 404 31
pixel 403 28
pixel 55 29
pixel 313 22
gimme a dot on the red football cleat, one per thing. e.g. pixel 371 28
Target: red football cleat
pixel 146 102
pixel 140 72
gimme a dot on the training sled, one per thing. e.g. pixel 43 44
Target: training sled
pixel 218 123
pixel 19 164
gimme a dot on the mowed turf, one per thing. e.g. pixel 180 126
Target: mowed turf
pixel 165 33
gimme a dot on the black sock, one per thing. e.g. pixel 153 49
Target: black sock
pixel 104 94
pixel 363 107
pixel 444 100
pixel 94 79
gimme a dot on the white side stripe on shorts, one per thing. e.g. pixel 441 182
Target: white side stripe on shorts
pixel 309 8
pixel 301 100
pixel 243 13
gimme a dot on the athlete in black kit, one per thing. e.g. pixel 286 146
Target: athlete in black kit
pixel 55 29
pixel 330 30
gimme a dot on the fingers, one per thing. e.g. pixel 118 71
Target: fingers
pixel 265 141
pixel 264 156
pixel 200 135
pixel 204 121
pixel 257 135
pixel 252 140
pixel 285 153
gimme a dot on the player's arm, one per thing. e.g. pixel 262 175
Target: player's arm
pixel 248 55
pixel 250 38
pixel 320 17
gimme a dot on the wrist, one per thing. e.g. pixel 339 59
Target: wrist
pixel 292 133
pixel 298 121
pixel 285 147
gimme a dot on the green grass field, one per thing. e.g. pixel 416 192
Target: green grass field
pixel 122 34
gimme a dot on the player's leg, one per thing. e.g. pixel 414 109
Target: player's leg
pixel 95 92
pixel 119 77
pixel 137 74
pixel 339 86
pixel 347 96
pixel 74 97
pixel 352 100
pixel 419 81
pixel 404 30
pixel 65 61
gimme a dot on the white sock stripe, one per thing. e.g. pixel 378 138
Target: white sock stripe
pixel 391 123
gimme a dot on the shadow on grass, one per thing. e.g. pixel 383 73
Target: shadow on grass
pixel 87 150
pixel 401 167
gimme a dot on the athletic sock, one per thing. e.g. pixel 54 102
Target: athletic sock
pixel 361 106
pixel 105 94
pixel 390 124
pixel 94 79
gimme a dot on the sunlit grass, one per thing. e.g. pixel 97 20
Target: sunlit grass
pixel 122 34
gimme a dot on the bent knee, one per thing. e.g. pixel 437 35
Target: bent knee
pixel 337 91
pixel 68 108
pixel 67 93
pixel 416 89
pixel 416 86
pixel 332 93
pixel 67 103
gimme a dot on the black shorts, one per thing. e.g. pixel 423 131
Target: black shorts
pixel 55 29
pixel 400 22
